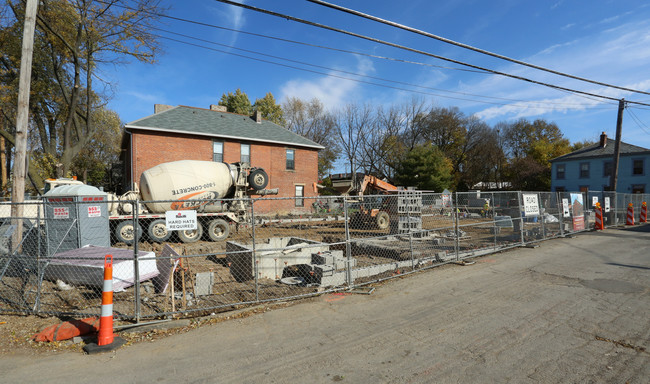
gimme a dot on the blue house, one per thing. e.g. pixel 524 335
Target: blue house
pixel 590 168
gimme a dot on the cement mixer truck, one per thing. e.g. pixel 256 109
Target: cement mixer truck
pixel 214 190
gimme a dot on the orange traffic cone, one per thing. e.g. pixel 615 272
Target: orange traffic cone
pixel 630 215
pixel 644 213
pixel 106 340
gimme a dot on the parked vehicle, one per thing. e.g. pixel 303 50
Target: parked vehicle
pixel 203 186
pixel 216 191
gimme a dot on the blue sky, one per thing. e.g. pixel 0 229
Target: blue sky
pixel 607 41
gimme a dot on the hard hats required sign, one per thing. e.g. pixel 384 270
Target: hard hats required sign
pixel 180 220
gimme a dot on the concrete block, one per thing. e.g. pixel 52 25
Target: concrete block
pixel 203 283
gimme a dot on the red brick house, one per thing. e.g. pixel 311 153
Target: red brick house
pixel 188 133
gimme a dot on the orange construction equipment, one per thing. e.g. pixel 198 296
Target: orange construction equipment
pixel 630 215
pixel 105 336
pixel 600 224
pixel 643 218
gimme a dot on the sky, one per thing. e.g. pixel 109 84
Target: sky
pixel 602 40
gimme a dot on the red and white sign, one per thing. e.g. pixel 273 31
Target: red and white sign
pixel 61 212
pixel 94 211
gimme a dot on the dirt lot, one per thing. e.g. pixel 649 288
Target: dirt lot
pixel 17 331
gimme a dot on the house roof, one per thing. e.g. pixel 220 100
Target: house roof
pixel 596 151
pixel 206 122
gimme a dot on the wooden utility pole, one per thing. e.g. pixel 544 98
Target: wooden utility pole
pixel 617 145
pixel 22 120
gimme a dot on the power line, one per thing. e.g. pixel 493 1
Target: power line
pixel 531 103
pixel 294 41
pixel 638 121
pixel 339 77
pixel 338 30
pixel 466 46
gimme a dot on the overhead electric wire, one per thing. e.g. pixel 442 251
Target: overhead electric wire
pixel 340 77
pixel 530 103
pixel 466 46
pixel 296 41
pixel 338 30
pixel 638 121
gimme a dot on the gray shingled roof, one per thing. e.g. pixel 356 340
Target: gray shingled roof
pixel 596 150
pixel 206 122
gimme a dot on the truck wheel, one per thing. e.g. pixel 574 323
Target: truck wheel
pixel 191 235
pixel 158 232
pixel 258 179
pixel 218 230
pixel 383 220
pixel 124 232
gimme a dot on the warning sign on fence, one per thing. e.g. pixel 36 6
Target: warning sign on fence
pixel 181 220
pixel 531 206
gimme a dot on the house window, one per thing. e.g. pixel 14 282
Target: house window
pixel 560 171
pixel 291 164
pixel 637 167
pixel 608 168
pixel 300 193
pixel 217 151
pixel 638 188
pixel 584 188
pixel 584 170
pixel 560 189
pixel 245 153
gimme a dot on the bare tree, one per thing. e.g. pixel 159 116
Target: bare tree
pixel 311 120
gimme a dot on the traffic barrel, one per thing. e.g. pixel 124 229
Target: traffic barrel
pixel 644 213
pixel 630 215
pixel 599 217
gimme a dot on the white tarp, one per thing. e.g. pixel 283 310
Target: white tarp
pixel 85 266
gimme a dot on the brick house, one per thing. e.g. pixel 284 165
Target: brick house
pixel 188 133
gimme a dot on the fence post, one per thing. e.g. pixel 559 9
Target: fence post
pixel 254 253
pixel 136 265
pixel 456 233
pixel 521 218
pixel 39 280
pixel 408 217
pixel 560 212
pixel 494 215
pixel 348 250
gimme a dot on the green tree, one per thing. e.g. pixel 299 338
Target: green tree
pixel 581 144
pixel 269 109
pixel 530 146
pixel 73 40
pixel 426 168
pixel 237 102
pixel 93 164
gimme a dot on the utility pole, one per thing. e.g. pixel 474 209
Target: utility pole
pixel 617 145
pixel 22 120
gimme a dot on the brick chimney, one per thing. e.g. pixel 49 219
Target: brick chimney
pixel 257 115
pixel 157 108
pixel 218 108
pixel 603 140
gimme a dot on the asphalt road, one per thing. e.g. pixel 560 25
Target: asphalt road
pixel 574 310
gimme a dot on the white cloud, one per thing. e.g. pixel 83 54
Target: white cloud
pixel 616 57
pixel 333 92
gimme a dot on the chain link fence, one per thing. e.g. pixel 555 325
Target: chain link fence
pixel 52 251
